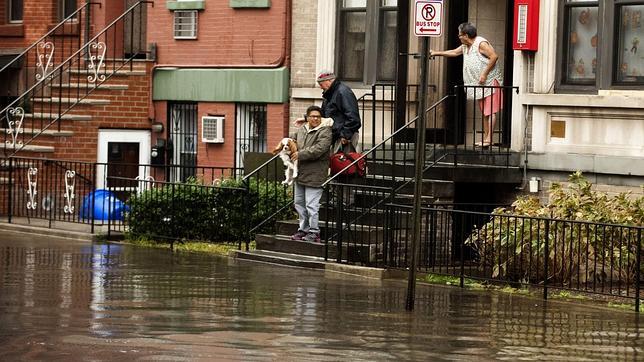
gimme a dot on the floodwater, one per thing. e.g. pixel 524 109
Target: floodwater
pixel 72 301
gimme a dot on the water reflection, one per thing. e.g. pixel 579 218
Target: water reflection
pixel 104 301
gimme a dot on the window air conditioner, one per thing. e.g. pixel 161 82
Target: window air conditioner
pixel 212 129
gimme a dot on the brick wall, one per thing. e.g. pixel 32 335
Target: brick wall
pixel 226 36
pixel 38 15
pixel 128 109
pixel 304 43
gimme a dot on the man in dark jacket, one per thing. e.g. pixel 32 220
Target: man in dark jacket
pixel 340 103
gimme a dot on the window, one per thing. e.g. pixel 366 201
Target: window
pixel 66 8
pixel 15 11
pixel 185 24
pixel 367 40
pixel 250 130
pixel 183 138
pixel 600 45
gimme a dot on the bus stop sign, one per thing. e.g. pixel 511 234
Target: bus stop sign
pixel 428 19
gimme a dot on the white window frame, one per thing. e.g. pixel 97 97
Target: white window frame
pixel 186 14
pixel 10 11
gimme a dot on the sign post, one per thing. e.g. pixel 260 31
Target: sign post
pixel 428 23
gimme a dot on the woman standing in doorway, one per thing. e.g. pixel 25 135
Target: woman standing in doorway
pixel 480 68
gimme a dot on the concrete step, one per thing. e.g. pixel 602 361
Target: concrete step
pixel 32 148
pixel 71 117
pixel 286 259
pixel 359 233
pixel 47 232
pixel 47 132
pixel 354 253
pixel 89 86
pixel 295 260
pixel 87 101
pixel 123 72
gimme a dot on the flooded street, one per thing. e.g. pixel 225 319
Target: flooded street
pixel 68 300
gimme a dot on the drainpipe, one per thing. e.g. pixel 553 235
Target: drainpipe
pixel 281 60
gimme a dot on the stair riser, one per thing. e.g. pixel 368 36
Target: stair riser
pixel 362 234
pixel 374 218
pixel 99 93
pixel 351 253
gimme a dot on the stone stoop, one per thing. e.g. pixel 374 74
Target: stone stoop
pixel 310 262
pixel 97 109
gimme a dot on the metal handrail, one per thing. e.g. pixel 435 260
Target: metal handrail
pixel 52 31
pixel 47 80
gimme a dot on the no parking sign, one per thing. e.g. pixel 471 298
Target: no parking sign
pixel 428 19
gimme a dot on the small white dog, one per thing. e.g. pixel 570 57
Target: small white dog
pixel 285 149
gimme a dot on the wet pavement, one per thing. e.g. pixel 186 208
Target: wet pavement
pixel 74 301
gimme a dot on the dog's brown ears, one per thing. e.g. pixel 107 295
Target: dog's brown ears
pixel 278 148
pixel 292 144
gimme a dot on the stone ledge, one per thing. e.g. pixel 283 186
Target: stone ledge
pixel 185 5
pixel 241 4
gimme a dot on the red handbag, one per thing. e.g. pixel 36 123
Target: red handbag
pixel 342 159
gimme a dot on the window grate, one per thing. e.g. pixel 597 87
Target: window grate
pixel 185 24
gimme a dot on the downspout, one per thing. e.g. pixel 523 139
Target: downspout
pixel 280 61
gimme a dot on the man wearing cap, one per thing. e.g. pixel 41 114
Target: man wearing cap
pixel 340 103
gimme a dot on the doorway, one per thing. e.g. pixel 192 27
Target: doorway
pixel 122 156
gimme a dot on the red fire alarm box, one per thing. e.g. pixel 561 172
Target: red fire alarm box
pixel 526 25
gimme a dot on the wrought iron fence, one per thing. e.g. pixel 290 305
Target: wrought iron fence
pixel 86 192
pixel 580 256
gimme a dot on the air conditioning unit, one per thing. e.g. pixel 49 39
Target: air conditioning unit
pixel 212 129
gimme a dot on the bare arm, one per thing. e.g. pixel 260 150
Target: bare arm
pixel 486 49
pixel 446 53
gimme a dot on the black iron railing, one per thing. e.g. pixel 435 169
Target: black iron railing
pixel 571 255
pixel 87 192
pixel 47 102
pixel 39 59
pixel 190 211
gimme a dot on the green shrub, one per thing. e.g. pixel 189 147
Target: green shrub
pixel 193 211
pixel 512 244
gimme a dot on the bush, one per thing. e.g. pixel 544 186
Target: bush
pixel 192 211
pixel 594 246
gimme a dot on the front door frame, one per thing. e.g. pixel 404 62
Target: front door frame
pixel 105 136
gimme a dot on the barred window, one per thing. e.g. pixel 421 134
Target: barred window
pixel 185 24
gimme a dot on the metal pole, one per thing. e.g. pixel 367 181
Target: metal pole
pixel 420 164
pixel 638 256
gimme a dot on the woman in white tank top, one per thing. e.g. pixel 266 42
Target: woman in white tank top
pixel 480 68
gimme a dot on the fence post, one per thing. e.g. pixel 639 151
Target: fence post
pixel 338 222
pixel 92 193
pixel 462 237
pixel 10 189
pixel 546 253
pixel 637 270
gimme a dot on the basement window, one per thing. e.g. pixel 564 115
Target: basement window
pixel 185 24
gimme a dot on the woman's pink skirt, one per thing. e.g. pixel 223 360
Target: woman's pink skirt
pixel 492 103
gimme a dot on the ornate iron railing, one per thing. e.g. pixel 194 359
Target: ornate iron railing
pixel 45 102
pixel 37 61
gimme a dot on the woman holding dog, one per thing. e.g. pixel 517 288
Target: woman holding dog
pixel 313 143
